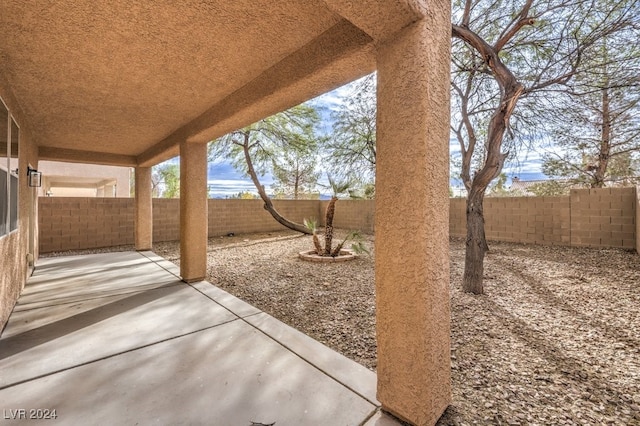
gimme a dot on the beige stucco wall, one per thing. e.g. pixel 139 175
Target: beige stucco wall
pixel 83 180
pixel 14 266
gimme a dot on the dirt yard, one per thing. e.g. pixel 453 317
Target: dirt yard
pixel 554 340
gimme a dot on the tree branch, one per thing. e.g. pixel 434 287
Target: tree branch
pixel 268 204
pixel 522 20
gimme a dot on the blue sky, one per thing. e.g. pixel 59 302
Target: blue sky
pixel 225 181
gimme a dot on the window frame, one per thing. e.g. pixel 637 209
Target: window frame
pixel 11 186
pixel 14 174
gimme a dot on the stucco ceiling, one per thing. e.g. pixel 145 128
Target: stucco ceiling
pixel 123 82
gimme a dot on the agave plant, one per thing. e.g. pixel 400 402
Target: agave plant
pixel 357 246
pixel 313 227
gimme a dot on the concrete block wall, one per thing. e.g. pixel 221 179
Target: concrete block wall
pixel 457 217
pixel 608 217
pixel 540 220
pixel 352 215
pixel 603 217
pixel 637 203
pixel 166 219
pixel 246 216
pixel 82 223
pixel 86 223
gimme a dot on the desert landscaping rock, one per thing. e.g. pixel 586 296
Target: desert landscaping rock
pixel 555 339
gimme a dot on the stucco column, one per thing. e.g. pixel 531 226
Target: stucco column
pixel 193 211
pixel 143 210
pixel 412 221
pixel 109 191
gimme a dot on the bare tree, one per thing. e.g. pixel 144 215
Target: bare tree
pixel 505 51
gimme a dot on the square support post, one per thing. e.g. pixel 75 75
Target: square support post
pixel 193 211
pixel 143 210
pixel 412 220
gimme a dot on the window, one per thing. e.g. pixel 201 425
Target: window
pixel 14 137
pixel 9 151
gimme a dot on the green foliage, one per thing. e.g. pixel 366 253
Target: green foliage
pixel 557 43
pixel 132 184
pixel 284 144
pixel 244 195
pixel 363 192
pixel 338 185
pixel 595 127
pixel 499 188
pixel 550 188
pixel 166 180
pixel 295 171
pixel 357 245
pixel 312 224
pixel 351 149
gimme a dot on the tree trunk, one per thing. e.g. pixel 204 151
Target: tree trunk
pixel 511 89
pixel 316 244
pixel 328 230
pixel 476 245
pixel 605 143
pixel 268 205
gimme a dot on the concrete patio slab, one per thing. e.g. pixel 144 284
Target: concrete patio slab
pixel 381 418
pixel 97 275
pixel 114 326
pixel 230 302
pixel 358 378
pixel 142 348
pixel 162 262
pixel 228 375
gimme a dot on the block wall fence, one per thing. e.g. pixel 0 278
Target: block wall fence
pixel 607 217
pixel 637 205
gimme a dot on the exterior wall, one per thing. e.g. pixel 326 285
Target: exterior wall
pixel 608 217
pixel 604 217
pixel 14 247
pixel 84 180
pixel 457 217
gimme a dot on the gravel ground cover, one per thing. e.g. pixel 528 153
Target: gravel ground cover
pixel 554 340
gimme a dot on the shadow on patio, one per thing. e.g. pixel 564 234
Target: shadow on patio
pixel 118 339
